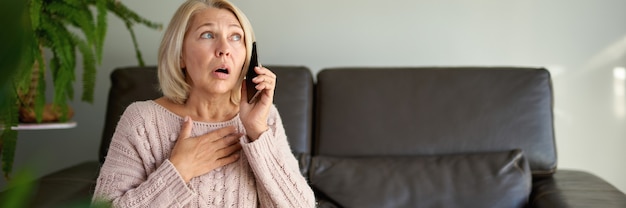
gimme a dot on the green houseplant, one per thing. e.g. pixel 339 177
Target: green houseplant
pixel 64 27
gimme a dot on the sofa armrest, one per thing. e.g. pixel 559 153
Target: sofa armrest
pixel 569 188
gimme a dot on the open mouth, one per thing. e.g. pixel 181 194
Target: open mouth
pixel 222 70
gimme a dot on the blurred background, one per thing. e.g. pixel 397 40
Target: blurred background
pixel 582 43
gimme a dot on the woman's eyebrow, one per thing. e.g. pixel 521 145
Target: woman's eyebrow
pixel 235 25
pixel 211 24
pixel 208 24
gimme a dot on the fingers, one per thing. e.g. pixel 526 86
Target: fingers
pixel 264 71
pixel 219 139
pixel 265 79
pixel 194 156
pixel 221 133
pixel 228 159
pixel 185 131
pixel 227 145
pixel 229 150
pixel 264 83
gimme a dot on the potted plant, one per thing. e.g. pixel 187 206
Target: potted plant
pixel 52 25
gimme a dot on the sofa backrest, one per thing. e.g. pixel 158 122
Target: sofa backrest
pixel 128 85
pixel 434 111
pixel 293 98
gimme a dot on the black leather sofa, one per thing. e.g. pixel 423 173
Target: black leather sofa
pixel 396 137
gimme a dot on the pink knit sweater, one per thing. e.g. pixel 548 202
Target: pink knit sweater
pixel 138 173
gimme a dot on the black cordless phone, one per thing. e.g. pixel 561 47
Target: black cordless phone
pixel 253 93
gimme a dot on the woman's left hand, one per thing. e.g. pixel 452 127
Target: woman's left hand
pixel 254 115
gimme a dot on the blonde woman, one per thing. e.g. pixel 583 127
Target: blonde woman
pixel 202 144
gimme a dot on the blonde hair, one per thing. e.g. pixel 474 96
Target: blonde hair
pixel 171 76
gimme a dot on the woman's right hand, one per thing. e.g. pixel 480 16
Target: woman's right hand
pixel 195 156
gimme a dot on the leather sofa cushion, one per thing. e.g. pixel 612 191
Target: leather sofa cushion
pixel 435 111
pixel 495 179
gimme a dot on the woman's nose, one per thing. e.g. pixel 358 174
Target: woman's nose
pixel 223 49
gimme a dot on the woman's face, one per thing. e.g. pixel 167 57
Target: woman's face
pixel 213 51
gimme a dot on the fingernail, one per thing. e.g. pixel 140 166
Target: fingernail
pixel 186 118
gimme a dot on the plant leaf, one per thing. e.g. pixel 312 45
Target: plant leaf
pixel 19 190
pixel 9 140
pixel 129 17
pixel 126 14
pixel 15 64
pixel 76 13
pixel 64 58
pixel 47 23
pixel 89 73
pixel 40 99
pixel 35 11
pixel 101 28
pixel 129 26
pixel 8 137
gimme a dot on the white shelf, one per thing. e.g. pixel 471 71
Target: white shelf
pixel 45 126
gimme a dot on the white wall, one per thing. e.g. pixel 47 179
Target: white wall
pixel 581 42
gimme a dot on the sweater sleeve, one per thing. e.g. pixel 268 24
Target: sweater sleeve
pixel 123 179
pixel 278 178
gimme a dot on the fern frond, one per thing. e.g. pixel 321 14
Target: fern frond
pixel 64 109
pixel 130 18
pixel 63 88
pixel 60 82
pixel 101 28
pixel 38 55
pixel 24 87
pixel 21 78
pixel 40 99
pixel 89 73
pixel 77 3
pixel 23 75
pixel 35 11
pixel 57 39
pixel 77 14
pixel 8 137
pixel 55 65
pixel 9 115
pixel 124 13
pixel 9 141
pixel 48 21
pixel 64 53
pixel 129 26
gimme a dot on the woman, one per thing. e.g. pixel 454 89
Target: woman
pixel 202 144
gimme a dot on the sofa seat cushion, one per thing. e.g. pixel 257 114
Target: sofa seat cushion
pixel 495 179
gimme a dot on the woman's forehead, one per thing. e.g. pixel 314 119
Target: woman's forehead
pixel 214 16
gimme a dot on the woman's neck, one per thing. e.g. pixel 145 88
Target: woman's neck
pixel 213 109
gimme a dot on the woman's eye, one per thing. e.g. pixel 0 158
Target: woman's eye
pixel 206 35
pixel 236 37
